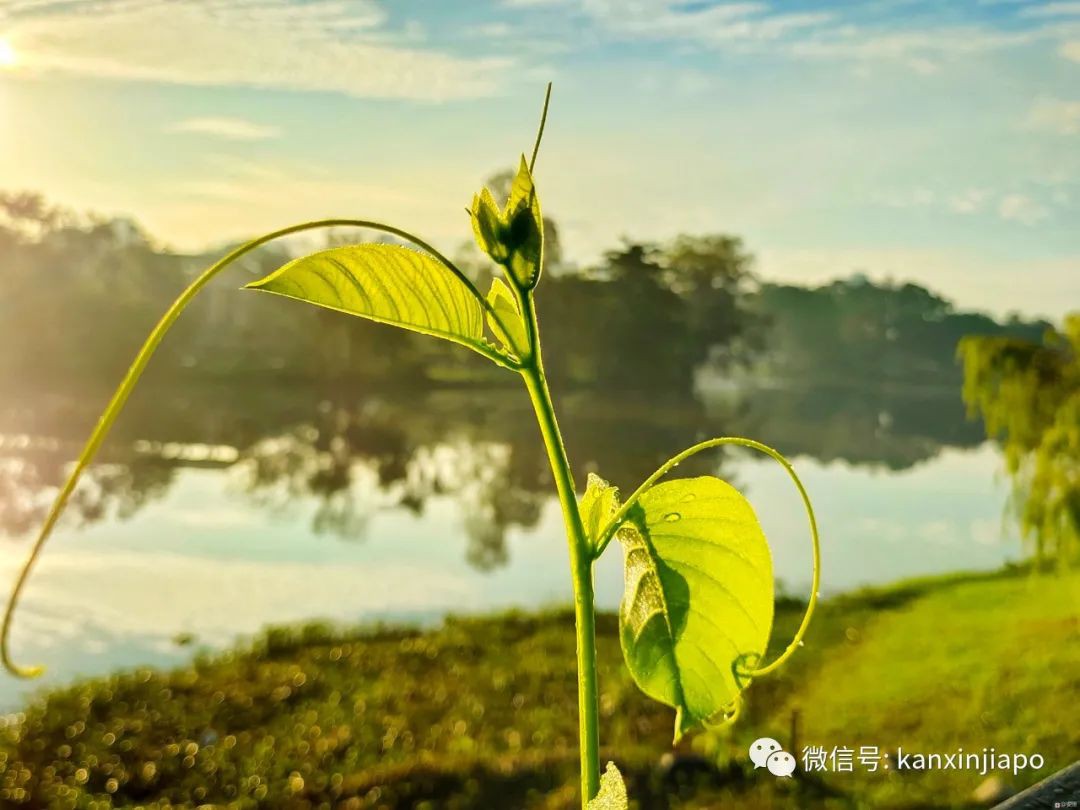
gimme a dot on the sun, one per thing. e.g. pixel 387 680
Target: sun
pixel 8 57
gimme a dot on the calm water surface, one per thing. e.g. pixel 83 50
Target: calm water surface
pixel 349 514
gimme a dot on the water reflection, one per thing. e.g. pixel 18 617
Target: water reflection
pixel 350 507
pixel 350 477
pixel 354 454
pixel 376 455
pixel 30 476
pixel 892 427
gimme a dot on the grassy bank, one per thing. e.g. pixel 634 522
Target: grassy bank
pixel 481 712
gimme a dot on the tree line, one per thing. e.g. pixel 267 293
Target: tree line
pixel 81 293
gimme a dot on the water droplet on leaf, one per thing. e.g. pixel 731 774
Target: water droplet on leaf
pixel 672 517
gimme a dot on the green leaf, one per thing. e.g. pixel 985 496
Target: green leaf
pixel 612 795
pixel 488 226
pixel 511 332
pixel 525 226
pixel 386 283
pixel 598 505
pixel 698 606
pixel 514 236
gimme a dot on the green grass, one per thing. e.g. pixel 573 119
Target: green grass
pixel 481 713
pixel 932 666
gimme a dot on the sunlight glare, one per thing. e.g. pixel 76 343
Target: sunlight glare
pixel 8 57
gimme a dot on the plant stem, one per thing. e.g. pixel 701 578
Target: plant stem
pixel 580 560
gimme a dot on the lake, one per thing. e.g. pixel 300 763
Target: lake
pixel 221 508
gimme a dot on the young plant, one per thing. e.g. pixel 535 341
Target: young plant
pixel 697 611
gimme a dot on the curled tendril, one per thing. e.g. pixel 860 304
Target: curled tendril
pixel 727 715
pixel 120 397
pixel 621 515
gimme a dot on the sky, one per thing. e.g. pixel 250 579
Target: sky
pixel 937 142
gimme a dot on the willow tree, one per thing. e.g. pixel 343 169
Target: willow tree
pixel 1028 395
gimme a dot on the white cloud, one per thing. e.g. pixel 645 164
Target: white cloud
pixel 808 34
pixel 1061 9
pixel 738 23
pixel 1021 208
pixel 1055 115
pixel 968 202
pixel 908 198
pixel 231 129
pixel 495 30
pixel 1013 206
pixel 324 45
pixel 920 50
pixel 535 3
pixel 1071 50
pixel 735 23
